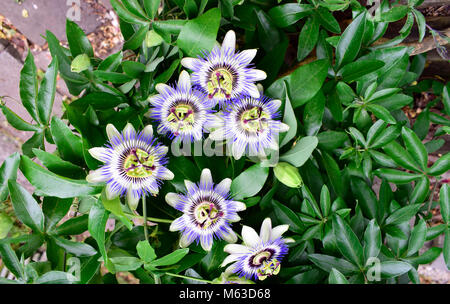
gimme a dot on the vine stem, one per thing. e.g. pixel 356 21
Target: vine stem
pixel 188 278
pixel 144 211
pixel 430 201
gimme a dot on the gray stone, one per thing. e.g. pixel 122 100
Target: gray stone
pixel 49 15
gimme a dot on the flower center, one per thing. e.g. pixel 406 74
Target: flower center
pixel 220 84
pixel 206 214
pixel 255 120
pixel 139 164
pixel 269 268
pixel 181 118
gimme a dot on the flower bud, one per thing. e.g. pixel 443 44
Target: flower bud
pixel 288 175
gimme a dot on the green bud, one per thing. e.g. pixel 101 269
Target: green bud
pixel 80 63
pixel 288 175
pixel 153 39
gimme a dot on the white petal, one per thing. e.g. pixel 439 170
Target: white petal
pixel 184 80
pixel 283 127
pixel 132 200
pixel 206 177
pixel 206 246
pixel 172 199
pixel 148 131
pixel 237 151
pixel 235 249
pixel 189 62
pixel 164 149
pixel 129 130
pixel 259 75
pixel 278 231
pixel 217 135
pixel 167 175
pixel 247 56
pixel 276 104
pixel 229 41
pixel 266 229
pixel 190 186
pixel 230 269
pixel 98 153
pixel 230 237
pixel 177 224
pixel 96 177
pixel 253 91
pixel 289 240
pixel 239 206
pixel 272 145
pixel 161 88
pixel 112 132
pixel 184 241
pixel 229 259
pixel 110 193
pixel 224 186
pixel 250 237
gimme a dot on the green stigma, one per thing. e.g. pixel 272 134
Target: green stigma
pixel 139 164
pixel 269 268
pixel 207 214
pixel 255 120
pixel 220 84
pixel 181 118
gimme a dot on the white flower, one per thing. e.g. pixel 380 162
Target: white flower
pixel 134 164
pixel 224 74
pixel 260 255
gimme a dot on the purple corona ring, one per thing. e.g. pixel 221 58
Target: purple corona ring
pixel 224 74
pixel 207 212
pixel 182 112
pixel 134 164
pixel 260 256
pixel 249 126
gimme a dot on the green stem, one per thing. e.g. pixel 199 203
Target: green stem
pixel 188 278
pixel 144 211
pixel 152 219
pixel 430 201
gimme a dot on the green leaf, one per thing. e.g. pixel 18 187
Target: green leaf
pixel 126 15
pixel 199 34
pixel 17 122
pixel 153 39
pixel 73 226
pixel 111 63
pixel 334 173
pixel 420 192
pixel 306 81
pixel 57 165
pixel 6 223
pixel 289 119
pixel 353 70
pixel 444 202
pixel 56 277
pixel 28 86
pixel 51 184
pixel 46 93
pixel 267 31
pixel 336 277
pixel 350 41
pixel 288 14
pixel 396 176
pixel 96 227
pixel 402 215
pixel 80 63
pixel 441 166
pixel 394 14
pixel 249 182
pixel 69 145
pixel 392 269
pixel 8 171
pixel 372 240
pixel 327 263
pixel 125 263
pixel 54 210
pixel 446 248
pixel 308 38
pixel 347 241
pixel 417 238
pixel 171 258
pixel 381 113
pixel 330 140
pixel 312 115
pixel 145 251
pixel 421 23
pixel 135 7
pixel 10 260
pixel 325 201
pixel 25 207
pixel 385 137
pixel 136 39
pixel 151 7
pixel 115 207
pixel 289 217
pixel 427 257
pixel 327 20
pixel 400 156
pixel 78 42
pixel 414 145
pixel 76 248
pixel 301 151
